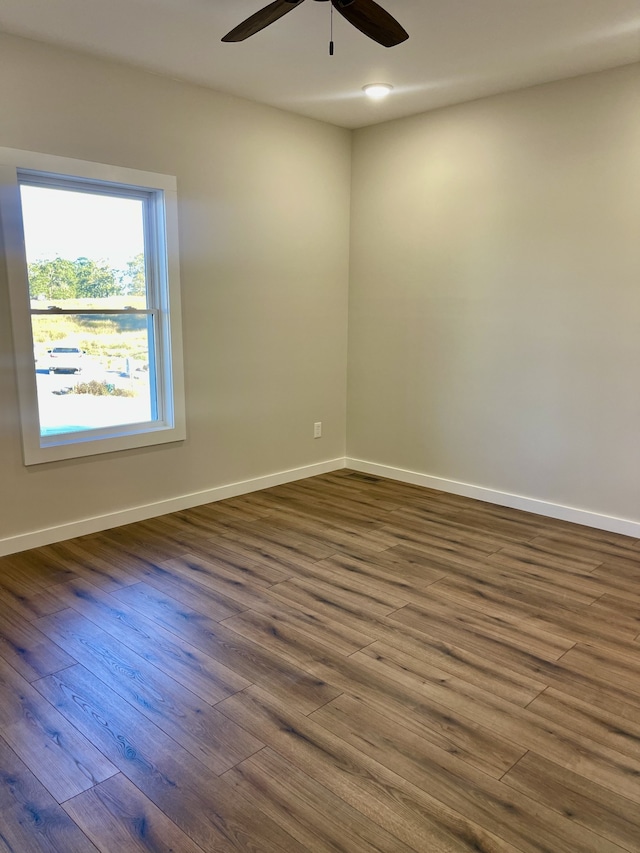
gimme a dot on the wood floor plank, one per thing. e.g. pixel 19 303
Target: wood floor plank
pixel 408 573
pixel 517 604
pixel 18 598
pixel 280 553
pixel 301 806
pixel 188 525
pixel 361 576
pixel 61 758
pixel 404 699
pixel 368 604
pixel 589 683
pixel 397 806
pixel 612 667
pixel 518 820
pixel 360 579
pixel 581 800
pixel 523 575
pixel 561 575
pixel 31 821
pixel 183 606
pixel 608 547
pixel 530 555
pixel 90 559
pixel 237 508
pixel 189 592
pixel 35 568
pixel 323 507
pixel 202 805
pixel 436 559
pixel 27 649
pixel 341 638
pixel 268 532
pixel 120 555
pixel 521 527
pixel 212 575
pixel 143 542
pixel 437 542
pixel 596 724
pixel 422 525
pixel 346 538
pixel 600 539
pixel 233 564
pixel 278 556
pixel 117 816
pixel 434 654
pixel 577 587
pixel 215 548
pixel 281 638
pixel 241 505
pixel 611 605
pixel 329 603
pixel 623 574
pixel 202 675
pixel 447 618
pixel 375 504
pixel 532 588
pixel 567 746
pixel 251 661
pixel 181 714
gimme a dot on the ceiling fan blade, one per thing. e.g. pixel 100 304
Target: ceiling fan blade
pixel 372 20
pixel 261 19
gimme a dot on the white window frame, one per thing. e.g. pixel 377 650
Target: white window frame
pixel 162 255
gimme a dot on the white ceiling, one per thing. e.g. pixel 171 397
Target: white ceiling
pixel 458 49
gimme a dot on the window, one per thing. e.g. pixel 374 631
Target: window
pixel 92 264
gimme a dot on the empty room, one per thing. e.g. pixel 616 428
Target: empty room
pixel 319 419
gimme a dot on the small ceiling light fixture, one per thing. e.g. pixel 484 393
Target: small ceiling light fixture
pixel 377 91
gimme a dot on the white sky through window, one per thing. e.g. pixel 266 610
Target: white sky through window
pixel 69 224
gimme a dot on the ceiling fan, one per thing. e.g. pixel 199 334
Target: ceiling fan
pixel 365 15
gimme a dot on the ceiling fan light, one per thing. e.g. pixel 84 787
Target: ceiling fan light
pixel 377 91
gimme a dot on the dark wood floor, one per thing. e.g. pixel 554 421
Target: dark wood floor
pixel 343 664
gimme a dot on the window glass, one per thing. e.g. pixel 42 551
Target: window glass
pixel 83 249
pixel 102 381
pixel 86 252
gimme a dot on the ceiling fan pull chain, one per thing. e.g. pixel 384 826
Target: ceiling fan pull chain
pixel 331 29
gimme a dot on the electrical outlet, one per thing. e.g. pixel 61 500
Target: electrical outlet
pixel 317 429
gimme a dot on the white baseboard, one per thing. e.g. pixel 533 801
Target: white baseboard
pixel 47 536
pixel 564 513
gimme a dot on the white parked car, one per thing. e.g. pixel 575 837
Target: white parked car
pixel 65 359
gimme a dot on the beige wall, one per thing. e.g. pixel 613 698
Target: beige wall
pixel 264 229
pixel 494 325
pixel 494 300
